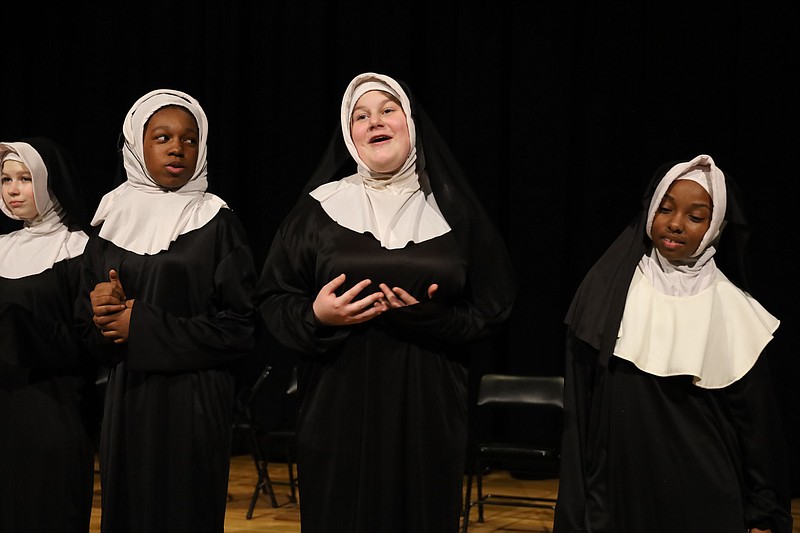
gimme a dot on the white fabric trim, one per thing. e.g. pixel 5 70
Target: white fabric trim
pixel 391 207
pixel 416 218
pixel 714 184
pixel 45 240
pixel 139 215
pixel 715 335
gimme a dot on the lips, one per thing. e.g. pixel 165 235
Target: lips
pixel 671 243
pixel 379 138
pixel 175 169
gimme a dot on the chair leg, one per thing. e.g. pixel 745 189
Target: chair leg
pixel 292 479
pixel 467 503
pixel 479 481
pixel 264 483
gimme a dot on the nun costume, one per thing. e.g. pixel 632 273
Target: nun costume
pixel 182 256
pixel 671 420
pixel 382 426
pixel 48 405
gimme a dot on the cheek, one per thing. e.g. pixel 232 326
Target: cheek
pixel 191 162
pixel 656 226
pixel 700 232
pixel 357 134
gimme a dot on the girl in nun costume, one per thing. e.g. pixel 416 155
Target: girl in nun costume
pixel 168 279
pixel 381 280
pixel 48 407
pixel 671 422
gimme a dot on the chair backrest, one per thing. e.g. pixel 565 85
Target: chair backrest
pixel 521 390
pixel 527 410
pixel 245 397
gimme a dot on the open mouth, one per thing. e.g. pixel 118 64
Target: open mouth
pixel 670 243
pixel 379 138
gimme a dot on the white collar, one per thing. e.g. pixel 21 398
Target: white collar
pixel 139 215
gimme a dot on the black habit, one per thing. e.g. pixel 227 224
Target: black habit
pixel 660 454
pixel 166 430
pixel 382 426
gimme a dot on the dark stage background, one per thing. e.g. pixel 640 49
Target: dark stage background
pixel 559 113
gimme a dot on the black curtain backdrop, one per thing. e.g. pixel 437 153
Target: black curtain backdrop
pixel 559 111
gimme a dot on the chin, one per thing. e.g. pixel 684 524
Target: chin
pixel 386 169
pixel 172 185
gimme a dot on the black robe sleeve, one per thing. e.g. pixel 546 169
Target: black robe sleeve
pixel 756 416
pixel 201 325
pixel 42 339
pixel 287 289
pixel 202 341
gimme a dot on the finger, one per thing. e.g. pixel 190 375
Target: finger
pixel 432 290
pixel 107 310
pixel 109 333
pixel 371 300
pixel 101 298
pixel 387 292
pixel 334 284
pixel 106 289
pixel 113 278
pixel 104 321
pixel 404 296
pixel 355 289
pixel 367 314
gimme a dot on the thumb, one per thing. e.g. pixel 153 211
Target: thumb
pixel 113 277
pixel 432 290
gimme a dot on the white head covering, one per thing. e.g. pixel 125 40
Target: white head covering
pixel 44 240
pixel 390 206
pixel 688 318
pixel 140 215
pixel 696 273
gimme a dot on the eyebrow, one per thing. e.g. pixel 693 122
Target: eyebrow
pixel 695 204
pixel 387 99
pixel 158 127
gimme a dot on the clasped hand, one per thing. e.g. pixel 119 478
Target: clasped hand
pixel 333 310
pixel 111 308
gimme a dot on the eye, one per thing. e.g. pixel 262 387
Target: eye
pixel 359 117
pixel 162 138
pixel 664 209
pixel 191 140
pixel 697 218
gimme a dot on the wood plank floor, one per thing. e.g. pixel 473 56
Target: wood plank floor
pixel 286 518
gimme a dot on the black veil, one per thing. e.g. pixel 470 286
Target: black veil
pixel 63 181
pixel 491 275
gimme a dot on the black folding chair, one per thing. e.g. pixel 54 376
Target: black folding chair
pixel 533 402
pixel 263 440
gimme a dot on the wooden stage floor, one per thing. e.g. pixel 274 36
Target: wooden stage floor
pixel 286 518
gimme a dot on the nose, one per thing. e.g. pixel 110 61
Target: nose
pixel 675 225
pixel 176 147
pixel 375 119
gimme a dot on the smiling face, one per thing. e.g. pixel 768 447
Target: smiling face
pixel 171 146
pixel 379 131
pixel 681 220
pixel 17 185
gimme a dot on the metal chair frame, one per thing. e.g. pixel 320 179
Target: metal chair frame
pixel 506 391
pixel 258 441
